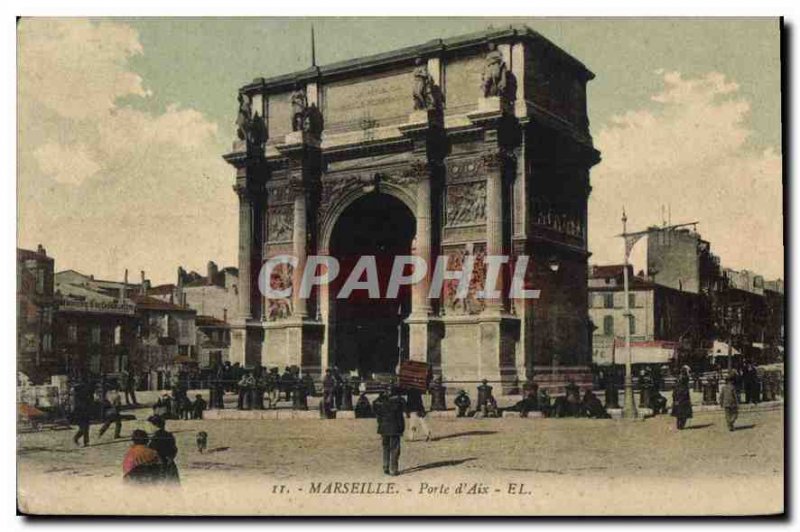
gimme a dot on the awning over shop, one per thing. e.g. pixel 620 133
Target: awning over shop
pixel 720 349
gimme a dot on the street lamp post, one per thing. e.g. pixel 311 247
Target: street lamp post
pixel 629 407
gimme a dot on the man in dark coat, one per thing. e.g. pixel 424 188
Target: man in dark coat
pixel 308 383
pixel 198 407
pixel 163 443
pixel 438 394
pixel 128 383
pixel 592 406
pixel 328 389
pixel 681 400
pixel 338 388
pixel 391 425
pixel 543 400
pixel 82 411
pixel 572 405
pixel 484 392
pixel 287 383
pixel 462 403
pixel 110 407
pixel 363 408
pixel 347 394
pixel 528 404
pixel 300 395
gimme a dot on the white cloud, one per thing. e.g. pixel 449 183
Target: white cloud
pixel 103 185
pixel 690 151
pixel 67 164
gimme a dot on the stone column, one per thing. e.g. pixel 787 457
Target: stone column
pixel 299 241
pixel 245 251
pixel 421 305
pixel 494 223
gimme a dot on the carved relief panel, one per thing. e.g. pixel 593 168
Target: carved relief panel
pixel 465 204
pixel 280 223
pixel 281 279
pixel 453 305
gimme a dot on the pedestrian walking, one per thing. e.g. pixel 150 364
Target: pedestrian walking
pixel 729 402
pixel 111 414
pixel 391 425
pixel 82 411
pixel 681 400
pixel 415 410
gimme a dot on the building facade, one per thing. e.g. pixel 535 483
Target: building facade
pixel 465 147
pixel 660 317
pixel 36 355
pixel 167 337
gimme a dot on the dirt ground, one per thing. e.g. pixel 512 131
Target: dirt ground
pixel 504 466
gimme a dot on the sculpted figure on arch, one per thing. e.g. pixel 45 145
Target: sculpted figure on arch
pixel 427 95
pixel 495 77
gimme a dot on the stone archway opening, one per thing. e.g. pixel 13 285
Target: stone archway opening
pixel 370 335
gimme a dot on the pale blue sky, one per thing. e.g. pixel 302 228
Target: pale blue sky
pixel 122 124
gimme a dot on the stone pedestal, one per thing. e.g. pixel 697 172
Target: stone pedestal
pixel 238 343
pixel 293 343
pixel 425 339
pixel 298 139
pixel 554 379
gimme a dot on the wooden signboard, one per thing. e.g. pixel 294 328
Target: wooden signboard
pixel 413 374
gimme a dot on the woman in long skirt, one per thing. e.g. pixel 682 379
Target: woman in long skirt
pixel 681 400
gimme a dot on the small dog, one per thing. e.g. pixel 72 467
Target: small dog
pixel 202 441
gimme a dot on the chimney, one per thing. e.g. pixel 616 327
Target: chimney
pixel 123 288
pixel 225 315
pixel 211 272
pixel 143 288
pixel 40 250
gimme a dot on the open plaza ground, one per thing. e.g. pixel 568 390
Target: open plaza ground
pixel 524 466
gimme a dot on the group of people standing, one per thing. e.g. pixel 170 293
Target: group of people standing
pixel 259 388
pixel 178 405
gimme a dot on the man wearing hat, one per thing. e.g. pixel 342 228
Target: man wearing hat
pixel 163 442
pixel 391 425
pixel 484 392
pixel 462 402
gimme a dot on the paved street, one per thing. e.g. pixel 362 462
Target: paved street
pixel 569 466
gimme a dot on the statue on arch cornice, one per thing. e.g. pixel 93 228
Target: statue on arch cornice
pixel 427 95
pixel 496 80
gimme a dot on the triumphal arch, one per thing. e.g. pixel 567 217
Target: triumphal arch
pixel 460 148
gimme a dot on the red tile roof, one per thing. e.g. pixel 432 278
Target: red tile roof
pixel 151 303
pixel 162 289
pixel 610 270
pixel 210 321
